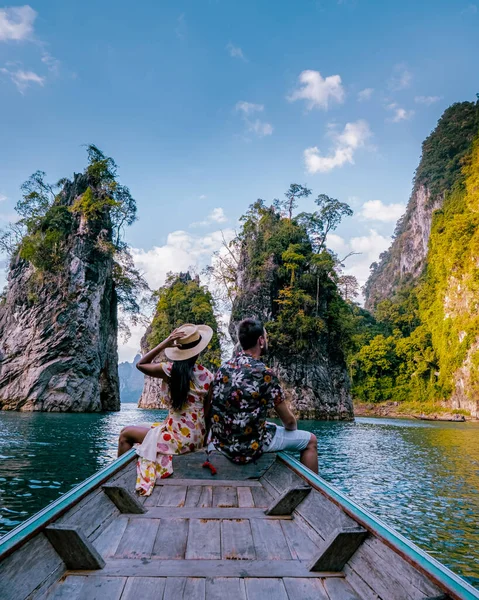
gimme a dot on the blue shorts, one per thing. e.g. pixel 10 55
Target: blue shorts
pixel 294 441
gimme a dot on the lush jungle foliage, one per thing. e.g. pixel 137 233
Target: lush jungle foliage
pixel 183 300
pixel 287 256
pixel 431 328
pixel 102 207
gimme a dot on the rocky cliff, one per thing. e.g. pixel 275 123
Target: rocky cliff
pixel 58 317
pixel 438 171
pixel 302 312
pixel 131 381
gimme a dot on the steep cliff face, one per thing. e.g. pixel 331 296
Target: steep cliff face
pixel 58 319
pixel 301 314
pixel 131 381
pixel 438 171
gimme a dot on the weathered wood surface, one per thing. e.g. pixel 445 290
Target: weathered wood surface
pixel 237 540
pixel 206 568
pixel 305 589
pixel 390 576
pixel 204 539
pixel 18 579
pixel 269 540
pixel 143 588
pixel 262 498
pixel 338 548
pixel 73 547
pixel 225 589
pixel 206 498
pixel 300 544
pixel 68 589
pixel 339 589
pixel 138 539
pixel 168 512
pixel 107 543
pixel 214 482
pixel 189 466
pixel 265 589
pixel 123 499
pixel 245 497
pixel 225 497
pixel 102 588
pixel 171 539
pixel 93 516
pixel 286 502
pixel 193 495
pixel 174 495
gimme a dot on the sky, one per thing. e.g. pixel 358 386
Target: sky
pixel 207 105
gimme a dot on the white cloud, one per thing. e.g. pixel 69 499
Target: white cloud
pixel 16 22
pixel 400 114
pixel 427 100
pixel 202 197
pixel 400 79
pixel 2 198
pixel 365 94
pixel 375 210
pixel 235 51
pixel 260 128
pixel 181 28
pixel 23 79
pixel 471 9
pixel 248 107
pixel 51 63
pixel 217 215
pixel 318 92
pixel 354 136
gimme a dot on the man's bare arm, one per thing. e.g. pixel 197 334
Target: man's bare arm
pixel 284 413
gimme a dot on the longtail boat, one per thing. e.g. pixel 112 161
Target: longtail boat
pixel 272 530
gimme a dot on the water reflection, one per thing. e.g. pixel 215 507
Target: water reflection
pixel 420 477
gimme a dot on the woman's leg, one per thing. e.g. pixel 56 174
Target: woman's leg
pixel 309 456
pixel 130 436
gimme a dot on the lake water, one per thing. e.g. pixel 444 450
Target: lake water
pixel 420 477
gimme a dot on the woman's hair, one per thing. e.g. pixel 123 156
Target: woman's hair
pixel 181 375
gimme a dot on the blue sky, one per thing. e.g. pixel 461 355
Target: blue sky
pixel 207 105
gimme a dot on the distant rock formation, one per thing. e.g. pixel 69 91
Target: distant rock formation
pixel 58 331
pixel 131 380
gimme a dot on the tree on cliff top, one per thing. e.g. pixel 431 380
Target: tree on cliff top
pixel 51 214
pixel 184 300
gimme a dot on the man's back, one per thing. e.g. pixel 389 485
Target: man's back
pixel 244 391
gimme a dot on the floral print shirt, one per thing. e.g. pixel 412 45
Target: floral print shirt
pixel 244 391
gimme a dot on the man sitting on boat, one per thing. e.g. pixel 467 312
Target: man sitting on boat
pixel 244 392
pixel 184 391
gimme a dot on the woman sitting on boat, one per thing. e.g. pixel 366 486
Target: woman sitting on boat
pixel 184 390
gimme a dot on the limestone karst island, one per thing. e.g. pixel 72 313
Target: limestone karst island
pixel 239 325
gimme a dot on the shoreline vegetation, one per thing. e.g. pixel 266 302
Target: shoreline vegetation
pixel 428 410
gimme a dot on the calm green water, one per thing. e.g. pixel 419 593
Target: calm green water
pixel 420 477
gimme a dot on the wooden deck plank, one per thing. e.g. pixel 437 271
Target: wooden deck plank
pixel 195 588
pixel 199 568
pixel 300 545
pixel 73 547
pixel 269 540
pixel 174 495
pixel 93 516
pixel 262 498
pixel 152 500
pixel 204 539
pixel 265 589
pixel 221 588
pixel 193 495
pixel 138 539
pixel 107 542
pixel 364 591
pixel 299 588
pixel 69 589
pixel 206 498
pixel 237 540
pixel 245 497
pixel 281 477
pixel 144 588
pixel 189 466
pixel 167 512
pixel 18 579
pixel 102 588
pixel 339 589
pixel 171 539
pixel 174 588
pixel 214 482
pixel 225 497
pixel 323 515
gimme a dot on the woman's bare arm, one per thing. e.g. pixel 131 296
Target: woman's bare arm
pixel 146 364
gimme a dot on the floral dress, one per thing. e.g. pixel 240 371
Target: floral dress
pixel 179 433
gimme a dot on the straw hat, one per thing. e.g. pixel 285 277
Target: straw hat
pixel 195 340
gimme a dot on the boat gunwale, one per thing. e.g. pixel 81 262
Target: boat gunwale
pixel 451 583
pixel 18 536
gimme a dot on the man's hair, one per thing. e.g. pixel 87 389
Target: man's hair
pixel 249 331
